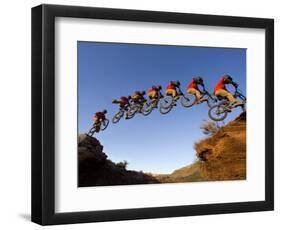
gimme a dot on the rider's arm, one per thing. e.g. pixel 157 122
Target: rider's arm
pixel 203 86
pixel 234 84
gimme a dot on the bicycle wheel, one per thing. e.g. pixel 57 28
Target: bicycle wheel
pixel 117 117
pixel 91 131
pixel 211 102
pixel 188 100
pixel 166 104
pixel 217 112
pixel 104 124
pixel 147 108
pixel 132 111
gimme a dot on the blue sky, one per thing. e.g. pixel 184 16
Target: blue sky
pixel 156 143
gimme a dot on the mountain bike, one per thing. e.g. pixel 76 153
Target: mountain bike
pixel 219 111
pixel 189 99
pixel 100 126
pixel 135 108
pixel 168 102
pixel 149 105
pixel 116 118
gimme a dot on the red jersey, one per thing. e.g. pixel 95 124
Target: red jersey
pixel 138 95
pixel 171 86
pixel 99 115
pixel 152 90
pixel 192 85
pixel 124 100
pixel 220 85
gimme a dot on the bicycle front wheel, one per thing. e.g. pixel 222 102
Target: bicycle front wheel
pixel 104 124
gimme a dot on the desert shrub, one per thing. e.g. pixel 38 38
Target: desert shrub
pixel 122 164
pixel 209 128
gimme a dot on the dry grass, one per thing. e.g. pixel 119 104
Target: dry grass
pixel 223 155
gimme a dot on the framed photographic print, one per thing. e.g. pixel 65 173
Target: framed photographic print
pixel 142 114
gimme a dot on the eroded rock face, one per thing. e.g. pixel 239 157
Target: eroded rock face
pixel 223 155
pixel 96 169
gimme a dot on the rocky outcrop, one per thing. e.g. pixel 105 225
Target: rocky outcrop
pixel 95 169
pixel 223 155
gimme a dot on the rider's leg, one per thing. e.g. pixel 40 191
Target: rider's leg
pixel 196 93
pixel 171 92
pixel 225 94
pixel 175 97
pixel 124 108
pixel 233 101
pixel 154 99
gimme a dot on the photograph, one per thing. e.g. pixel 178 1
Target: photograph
pixel 155 114
pixel 140 114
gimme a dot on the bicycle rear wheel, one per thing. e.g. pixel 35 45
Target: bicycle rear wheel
pixel 218 112
pixel 188 100
pixel 166 104
pixel 117 117
pixel 91 131
pixel 211 102
pixel 132 111
pixel 147 108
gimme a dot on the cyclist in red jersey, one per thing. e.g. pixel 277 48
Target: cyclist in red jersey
pixel 171 89
pixel 138 97
pixel 154 94
pixel 124 103
pixel 98 118
pixel 193 88
pixel 220 90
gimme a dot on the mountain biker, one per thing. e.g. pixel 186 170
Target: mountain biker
pixel 98 118
pixel 171 89
pixel 124 103
pixel 154 94
pixel 193 88
pixel 221 91
pixel 138 97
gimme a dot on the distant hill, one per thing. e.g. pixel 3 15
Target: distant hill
pixel 189 173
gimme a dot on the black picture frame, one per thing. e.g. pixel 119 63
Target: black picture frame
pixel 43 114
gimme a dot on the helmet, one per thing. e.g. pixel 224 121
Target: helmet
pixel 129 97
pixel 177 83
pixel 227 77
pixel 143 92
pixel 104 111
pixel 159 87
pixel 198 79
